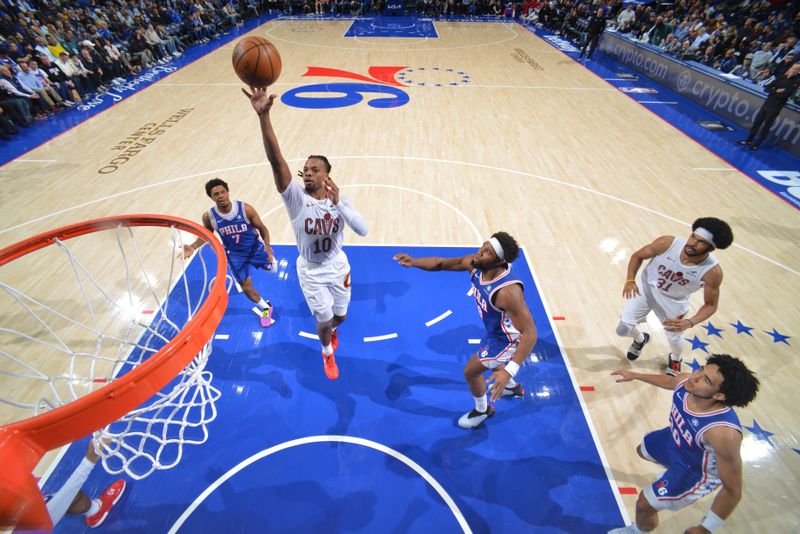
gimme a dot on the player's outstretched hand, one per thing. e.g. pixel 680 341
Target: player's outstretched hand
pixel 259 99
pixel 676 324
pixel 403 259
pixel 498 381
pixel 624 375
pixel 188 250
pixel 332 190
pixel 630 290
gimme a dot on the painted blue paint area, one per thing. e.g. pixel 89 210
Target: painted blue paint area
pixel 533 467
pixel 392 27
pixel 45 130
pixel 771 167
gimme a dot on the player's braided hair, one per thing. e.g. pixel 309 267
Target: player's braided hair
pixel 739 384
pixel 214 182
pixel 324 160
pixel 509 244
pixel 723 235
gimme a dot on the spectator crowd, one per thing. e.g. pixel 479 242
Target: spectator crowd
pixel 56 53
pixel 756 40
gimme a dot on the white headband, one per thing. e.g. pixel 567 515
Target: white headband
pixel 705 234
pixel 497 248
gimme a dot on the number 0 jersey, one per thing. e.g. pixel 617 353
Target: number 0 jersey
pixel 318 225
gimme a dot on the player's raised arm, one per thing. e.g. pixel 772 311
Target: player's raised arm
pixel 651 250
pixel 262 104
pixel 435 263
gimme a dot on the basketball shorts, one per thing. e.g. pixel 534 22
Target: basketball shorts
pixel 680 485
pixel 326 286
pixel 636 309
pixel 240 265
pixel 496 352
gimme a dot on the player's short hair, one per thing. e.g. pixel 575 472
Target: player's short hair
pixel 509 244
pixel 324 160
pixel 723 235
pixel 214 182
pixel 739 384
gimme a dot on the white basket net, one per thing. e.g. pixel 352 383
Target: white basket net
pixel 82 312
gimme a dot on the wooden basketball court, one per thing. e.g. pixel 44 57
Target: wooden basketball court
pixel 501 131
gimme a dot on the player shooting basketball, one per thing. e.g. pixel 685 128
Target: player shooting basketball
pixel 318 214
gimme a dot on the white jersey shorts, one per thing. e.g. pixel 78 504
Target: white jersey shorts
pixel 326 286
pixel 636 309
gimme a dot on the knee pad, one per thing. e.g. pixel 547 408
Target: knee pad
pixel 625 329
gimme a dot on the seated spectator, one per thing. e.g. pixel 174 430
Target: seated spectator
pixel 658 32
pixel 625 19
pixel 23 93
pixel 728 62
pixel 761 59
pixel 743 70
pixel 65 87
pixel 43 76
pixel 707 58
pixel 72 73
pixel 7 127
pixel 114 55
pixel 671 45
pixel 32 81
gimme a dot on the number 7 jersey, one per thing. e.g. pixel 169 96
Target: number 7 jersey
pixel 318 225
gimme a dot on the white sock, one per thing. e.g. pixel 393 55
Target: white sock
pixel 674 358
pixel 93 508
pixel 263 303
pixel 480 403
pixel 637 335
pixel 327 350
pixel 59 503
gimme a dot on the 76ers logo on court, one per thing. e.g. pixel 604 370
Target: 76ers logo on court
pixel 381 82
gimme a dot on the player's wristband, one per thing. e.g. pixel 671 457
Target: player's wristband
pixel 512 367
pixel 711 521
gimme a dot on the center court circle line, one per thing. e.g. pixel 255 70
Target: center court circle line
pixel 324 439
pixel 400 158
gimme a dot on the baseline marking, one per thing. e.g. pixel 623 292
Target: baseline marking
pixel 325 439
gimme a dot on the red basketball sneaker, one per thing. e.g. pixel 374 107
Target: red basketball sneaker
pixel 107 500
pixel 331 369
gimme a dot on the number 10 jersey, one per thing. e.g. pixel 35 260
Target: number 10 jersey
pixel 318 225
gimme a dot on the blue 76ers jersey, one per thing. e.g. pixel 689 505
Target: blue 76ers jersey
pixel 497 322
pixel 687 428
pixel 237 234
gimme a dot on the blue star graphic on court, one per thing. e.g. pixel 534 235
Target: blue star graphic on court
pixel 777 337
pixel 760 433
pixel 697 344
pixel 741 329
pixel 713 330
pixel 695 365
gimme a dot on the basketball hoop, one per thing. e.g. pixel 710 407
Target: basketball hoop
pixel 119 351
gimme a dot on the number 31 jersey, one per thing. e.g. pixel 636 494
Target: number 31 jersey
pixel 665 274
pixel 318 226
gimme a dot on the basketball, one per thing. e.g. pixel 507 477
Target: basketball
pixel 256 61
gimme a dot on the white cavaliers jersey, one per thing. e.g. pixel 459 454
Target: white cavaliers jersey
pixel 665 274
pixel 318 226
